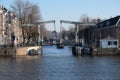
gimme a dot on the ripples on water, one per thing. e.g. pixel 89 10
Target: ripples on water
pixel 53 51
pixel 60 65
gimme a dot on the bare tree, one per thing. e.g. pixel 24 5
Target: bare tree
pixel 43 31
pixel 84 18
pixel 71 32
pixel 27 13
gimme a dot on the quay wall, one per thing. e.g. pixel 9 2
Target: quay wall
pixel 105 51
pixel 98 51
pixel 7 52
pixel 20 51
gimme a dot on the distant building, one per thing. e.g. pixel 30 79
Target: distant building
pixel 53 35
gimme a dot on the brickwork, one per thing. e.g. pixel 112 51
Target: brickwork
pixel 9 24
pixel 21 51
pixel 8 52
pixel 106 51
pixel 105 32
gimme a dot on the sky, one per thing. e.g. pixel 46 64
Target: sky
pixel 72 9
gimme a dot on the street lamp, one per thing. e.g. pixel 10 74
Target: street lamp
pixel 39 41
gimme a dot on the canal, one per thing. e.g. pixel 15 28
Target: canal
pixel 59 64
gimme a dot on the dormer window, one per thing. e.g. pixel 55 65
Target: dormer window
pixel 8 18
pixel 119 23
pixel 101 25
pixel 108 23
pixel 97 26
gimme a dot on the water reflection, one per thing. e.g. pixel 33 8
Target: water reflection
pixel 54 51
pixel 65 67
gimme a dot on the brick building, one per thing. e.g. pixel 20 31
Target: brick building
pixel 86 34
pixel 90 35
pixel 9 25
pixel 109 27
pixel 16 29
pixel 3 12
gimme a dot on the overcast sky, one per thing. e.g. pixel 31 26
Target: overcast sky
pixel 73 9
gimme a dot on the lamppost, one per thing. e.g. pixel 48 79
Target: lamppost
pixel 39 41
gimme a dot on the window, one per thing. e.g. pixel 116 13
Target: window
pixel 101 25
pixel 114 42
pixel 108 23
pixel 8 19
pixel 109 42
pixel 119 23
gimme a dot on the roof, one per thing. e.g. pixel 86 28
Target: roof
pixel 109 38
pixel 108 22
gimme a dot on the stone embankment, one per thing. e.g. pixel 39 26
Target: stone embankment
pixel 105 51
pixel 98 51
pixel 20 51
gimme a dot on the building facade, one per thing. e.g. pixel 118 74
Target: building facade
pixel 109 27
pixel 90 35
pixel 86 34
pixel 9 26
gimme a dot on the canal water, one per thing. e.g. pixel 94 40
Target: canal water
pixel 54 51
pixel 59 64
